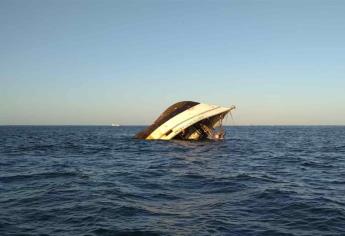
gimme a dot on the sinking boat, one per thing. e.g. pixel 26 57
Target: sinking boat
pixel 188 120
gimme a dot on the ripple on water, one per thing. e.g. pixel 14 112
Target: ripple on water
pixel 101 181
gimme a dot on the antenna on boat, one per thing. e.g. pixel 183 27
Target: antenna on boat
pixel 232 118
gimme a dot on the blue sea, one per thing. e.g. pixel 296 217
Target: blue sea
pixel 97 180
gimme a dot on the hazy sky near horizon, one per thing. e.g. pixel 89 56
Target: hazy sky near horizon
pixel 102 62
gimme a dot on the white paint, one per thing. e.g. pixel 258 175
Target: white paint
pixel 185 119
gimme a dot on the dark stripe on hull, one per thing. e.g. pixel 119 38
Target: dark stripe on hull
pixel 172 111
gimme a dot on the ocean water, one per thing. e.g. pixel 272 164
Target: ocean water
pixel 67 180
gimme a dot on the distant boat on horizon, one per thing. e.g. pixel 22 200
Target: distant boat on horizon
pixel 115 125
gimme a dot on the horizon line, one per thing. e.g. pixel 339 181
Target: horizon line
pixel 149 124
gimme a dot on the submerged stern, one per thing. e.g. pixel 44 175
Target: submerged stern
pixel 188 120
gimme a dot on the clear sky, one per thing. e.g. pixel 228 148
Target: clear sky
pixel 102 62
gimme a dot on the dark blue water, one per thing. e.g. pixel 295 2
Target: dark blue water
pixel 99 181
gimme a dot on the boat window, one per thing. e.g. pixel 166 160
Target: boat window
pixel 169 132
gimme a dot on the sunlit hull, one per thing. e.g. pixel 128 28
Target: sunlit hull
pixel 187 120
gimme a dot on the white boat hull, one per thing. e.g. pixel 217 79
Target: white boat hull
pixel 195 119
